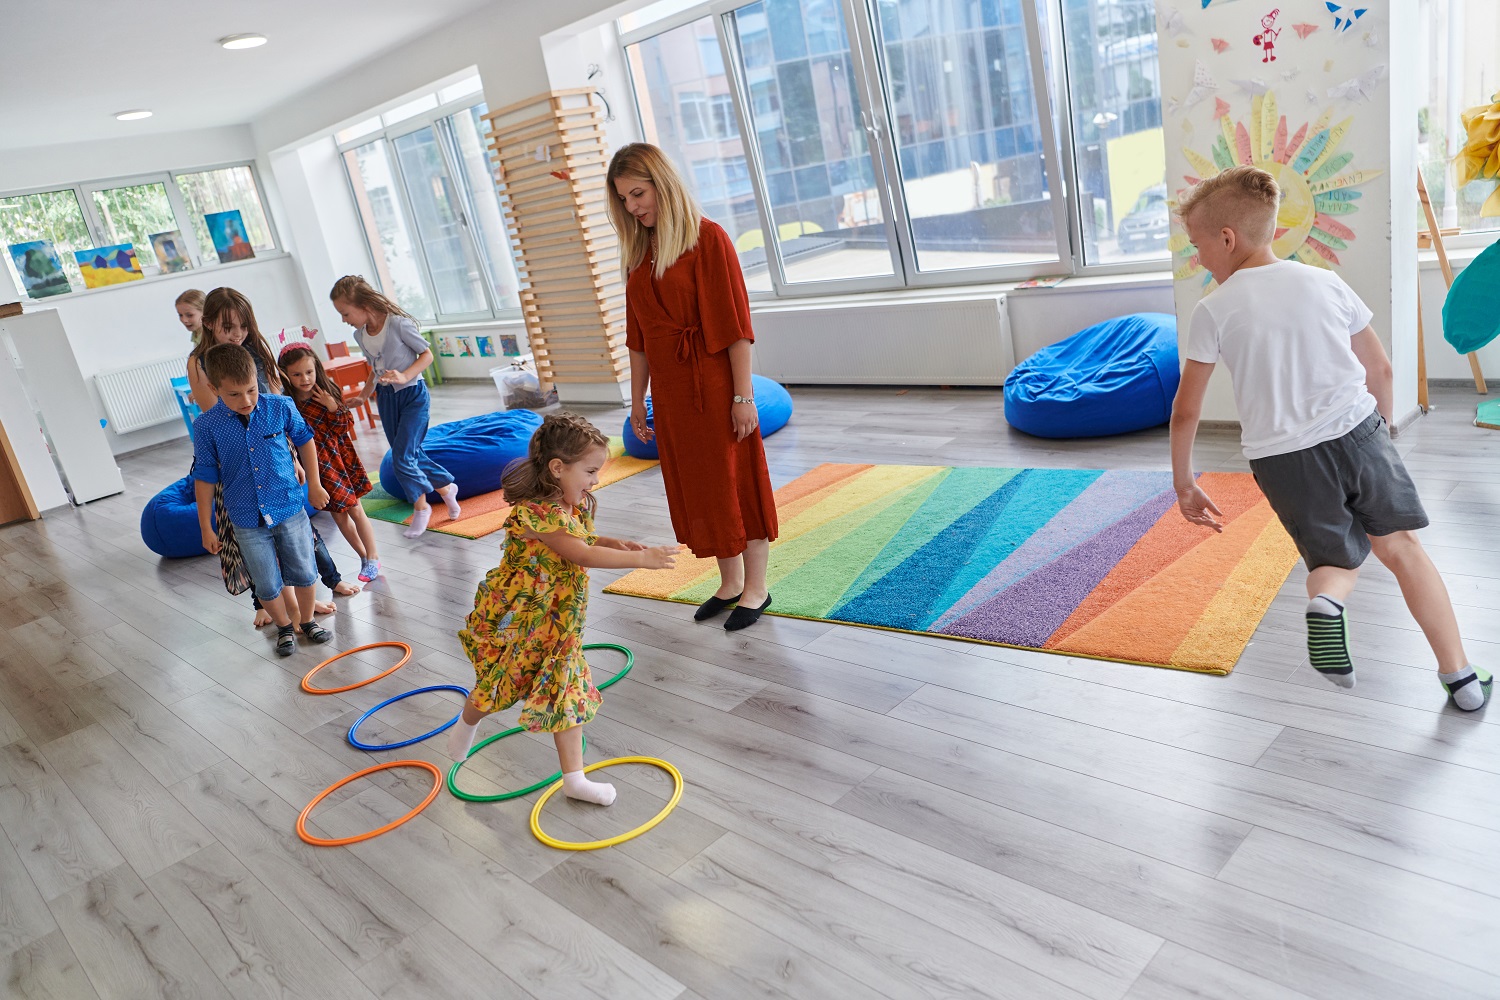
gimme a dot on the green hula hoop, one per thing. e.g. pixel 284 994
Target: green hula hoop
pixel 503 796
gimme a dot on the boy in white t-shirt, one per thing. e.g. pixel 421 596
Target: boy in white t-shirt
pixel 1313 387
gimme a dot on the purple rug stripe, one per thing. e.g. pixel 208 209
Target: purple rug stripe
pixel 1029 611
pixel 1109 498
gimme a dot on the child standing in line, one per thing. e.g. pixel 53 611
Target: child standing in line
pixel 1313 386
pixel 190 313
pixel 244 443
pixel 525 635
pixel 340 470
pixel 398 355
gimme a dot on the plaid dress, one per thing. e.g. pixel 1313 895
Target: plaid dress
pixel 339 468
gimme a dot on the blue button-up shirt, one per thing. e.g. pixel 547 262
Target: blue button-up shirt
pixel 253 462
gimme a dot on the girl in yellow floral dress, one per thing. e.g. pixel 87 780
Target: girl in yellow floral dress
pixel 525 635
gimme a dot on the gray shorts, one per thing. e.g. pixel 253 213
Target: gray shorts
pixel 1333 496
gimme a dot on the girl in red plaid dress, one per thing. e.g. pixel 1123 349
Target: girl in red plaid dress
pixel 339 468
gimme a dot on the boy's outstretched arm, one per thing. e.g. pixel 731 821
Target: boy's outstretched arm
pixel 1187 409
pixel 1371 354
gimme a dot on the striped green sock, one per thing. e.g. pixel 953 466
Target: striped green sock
pixel 1328 640
pixel 1469 688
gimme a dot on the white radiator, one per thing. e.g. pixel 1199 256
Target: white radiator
pixel 141 395
pixel 875 340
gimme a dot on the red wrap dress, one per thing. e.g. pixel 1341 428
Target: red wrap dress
pixel 718 489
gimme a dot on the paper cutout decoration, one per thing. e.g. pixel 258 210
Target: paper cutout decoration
pixel 1207 2
pixel 1221 108
pixel 1304 29
pixel 1360 88
pixel 1267 37
pixel 1219 44
pixel 1254 85
pixel 1171 20
pixel 1480 157
pixel 1343 17
pixel 40 268
pixel 1328 65
pixel 1312 97
pixel 1290 74
pixel 1203 85
pixel 1316 182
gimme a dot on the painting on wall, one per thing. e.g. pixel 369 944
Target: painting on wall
pixel 40 269
pixel 509 345
pixel 228 232
pixel 445 347
pixel 171 252
pixel 105 266
pixel 465 346
pixel 486 346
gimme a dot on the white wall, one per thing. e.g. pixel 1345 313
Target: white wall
pixel 40 166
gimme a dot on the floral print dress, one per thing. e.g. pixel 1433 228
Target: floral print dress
pixel 525 634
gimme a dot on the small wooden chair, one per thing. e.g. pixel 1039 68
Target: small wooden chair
pixel 351 380
pixel 337 349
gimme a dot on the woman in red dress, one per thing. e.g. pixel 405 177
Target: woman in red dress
pixel 687 322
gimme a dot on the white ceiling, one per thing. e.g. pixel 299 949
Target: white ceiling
pixel 66 68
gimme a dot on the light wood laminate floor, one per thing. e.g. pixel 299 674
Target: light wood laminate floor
pixel 867 814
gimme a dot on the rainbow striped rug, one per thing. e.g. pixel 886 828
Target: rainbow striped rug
pixel 1080 562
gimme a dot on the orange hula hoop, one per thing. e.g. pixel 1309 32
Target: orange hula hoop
pixel 307 678
pixel 437 783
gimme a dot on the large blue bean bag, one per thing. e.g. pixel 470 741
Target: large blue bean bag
pixel 1112 378
pixel 772 402
pixel 169 522
pixel 475 451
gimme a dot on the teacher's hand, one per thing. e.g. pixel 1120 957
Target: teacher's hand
pixel 746 420
pixel 643 430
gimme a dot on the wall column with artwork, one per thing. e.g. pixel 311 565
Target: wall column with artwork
pixel 1316 94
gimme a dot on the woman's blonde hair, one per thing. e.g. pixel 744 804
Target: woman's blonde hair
pixel 677 212
pixel 565 436
pixel 355 290
pixel 219 306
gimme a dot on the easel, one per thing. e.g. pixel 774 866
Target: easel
pixel 1442 256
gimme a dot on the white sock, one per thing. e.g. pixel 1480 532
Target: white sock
pixel 576 785
pixel 419 519
pixel 449 494
pixel 460 738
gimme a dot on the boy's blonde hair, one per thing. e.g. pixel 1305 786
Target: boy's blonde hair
pixel 1242 198
pixel 677 213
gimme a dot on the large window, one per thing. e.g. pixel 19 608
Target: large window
pixel 425 190
pixel 110 213
pixel 1460 69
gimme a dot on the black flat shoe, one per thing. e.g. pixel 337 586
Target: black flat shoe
pixel 713 606
pixel 743 617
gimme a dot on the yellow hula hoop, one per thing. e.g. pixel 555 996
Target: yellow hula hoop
pixel 594 845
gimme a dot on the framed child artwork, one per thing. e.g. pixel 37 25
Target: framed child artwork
pixel 228 232
pixel 40 269
pixel 171 252
pixel 105 266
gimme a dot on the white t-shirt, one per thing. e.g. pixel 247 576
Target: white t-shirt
pixel 1283 329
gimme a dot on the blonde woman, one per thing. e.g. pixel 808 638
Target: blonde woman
pixel 688 331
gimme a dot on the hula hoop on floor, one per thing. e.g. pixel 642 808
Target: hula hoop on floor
pixel 307 678
pixel 505 796
pixel 594 845
pixel 437 783
pixel 354 741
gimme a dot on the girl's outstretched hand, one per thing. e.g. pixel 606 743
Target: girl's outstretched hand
pixel 659 556
pixel 325 399
pixel 1198 508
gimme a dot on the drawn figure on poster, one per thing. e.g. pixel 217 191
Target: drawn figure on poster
pixel 1267 37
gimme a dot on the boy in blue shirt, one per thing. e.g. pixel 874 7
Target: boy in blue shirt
pixel 1313 386
pixel 244 441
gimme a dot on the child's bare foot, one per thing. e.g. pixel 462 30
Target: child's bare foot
pixel 262 618
pixel 345 589
pixel 324 608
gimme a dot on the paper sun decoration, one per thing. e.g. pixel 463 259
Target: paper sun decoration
pixel 1316 188
pixel 1480 157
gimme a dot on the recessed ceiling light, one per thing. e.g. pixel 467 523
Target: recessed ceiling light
pixel 249 41
pixel 130 116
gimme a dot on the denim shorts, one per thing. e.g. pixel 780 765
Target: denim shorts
pixel 279 556
pixel 1333 496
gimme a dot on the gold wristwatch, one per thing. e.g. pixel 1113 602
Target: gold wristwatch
pixel 744 399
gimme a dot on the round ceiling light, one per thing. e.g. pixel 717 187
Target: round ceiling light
pixel 130 116
pixel 248 41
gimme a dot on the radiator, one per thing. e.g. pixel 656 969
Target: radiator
pixel 141 395
pixel 906 340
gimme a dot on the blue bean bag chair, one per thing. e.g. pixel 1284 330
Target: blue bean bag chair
pixel 474 450
pixel 169 522
pixel 772 402
pixel 1112 378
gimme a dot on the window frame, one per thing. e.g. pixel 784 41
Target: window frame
pixel 435 118
pixel 84 190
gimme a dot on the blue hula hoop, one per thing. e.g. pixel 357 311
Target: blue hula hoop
pixel 354 741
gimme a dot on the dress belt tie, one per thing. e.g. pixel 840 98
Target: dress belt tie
pixel 690 352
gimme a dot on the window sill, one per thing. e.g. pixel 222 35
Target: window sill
pixel 190 275
pixel 1086 282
